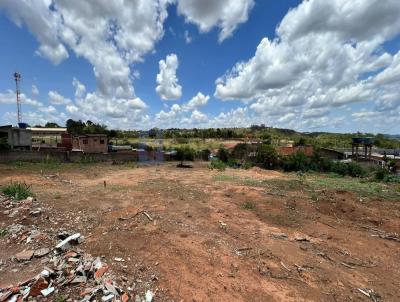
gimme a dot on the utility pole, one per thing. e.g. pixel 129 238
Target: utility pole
pixel 17 78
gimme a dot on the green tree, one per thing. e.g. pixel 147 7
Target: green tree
pixel 267 156
pixel 51 125
pixel 75 127
pixel 184 153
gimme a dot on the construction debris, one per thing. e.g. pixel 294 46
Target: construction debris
pixel 370 293
pixel 382 234
pixel 67 242
pixel 68 267
pixel 64 270
pixel 283 236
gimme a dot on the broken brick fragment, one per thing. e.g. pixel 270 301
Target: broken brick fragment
pixel 39 285
pixel 15 290
pixel 125 297
pixel 86 291
pixel 71 254
pixel 100 272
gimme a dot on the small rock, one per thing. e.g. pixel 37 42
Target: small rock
pixel 301 238
pixel 24 255
pixel 41 252
pixel 280 236
pixel 79 279
pixel 15 228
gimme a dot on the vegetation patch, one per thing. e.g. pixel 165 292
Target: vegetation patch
pixel 364 188
pixel 88 159
pixel 217 165
pixel 3 232
pixel 248 205
pixel 17 190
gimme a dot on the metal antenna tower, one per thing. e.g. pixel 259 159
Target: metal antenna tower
pixel 17 78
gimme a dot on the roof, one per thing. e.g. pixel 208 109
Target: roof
pixel 6 127
pixel 333 150
pixel 382 156
pixel 10 127
pixel 47 130
pixel 90 135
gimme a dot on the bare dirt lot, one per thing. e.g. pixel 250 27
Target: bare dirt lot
pixel 236 235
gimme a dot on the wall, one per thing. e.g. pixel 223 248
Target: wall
pixel 31 156
pixel 99 157
pixel 21 137
pixel 284 151
pixel 93 144
pixel 65 156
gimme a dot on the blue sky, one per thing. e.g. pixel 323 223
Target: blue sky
pixel 312 66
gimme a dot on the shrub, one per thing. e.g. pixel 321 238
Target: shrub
pixel 339 168
pixel 320 164
pixel 267 156
pixel 392 178
pixel 380 173
pixel 241 151
pixel 223 154
pixel 355 170
pixel 350 169
pixel 233 163
pixel 18 190
pixel 296 162
pixel 217 164
pixel 246 165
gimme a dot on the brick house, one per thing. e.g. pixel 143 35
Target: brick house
pixel 285 151
pixel 90 143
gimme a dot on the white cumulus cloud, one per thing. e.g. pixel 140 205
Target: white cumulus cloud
pixel 168 87
pixel 57 99
pixel 206 14
pixel 319 59
pixel 199 100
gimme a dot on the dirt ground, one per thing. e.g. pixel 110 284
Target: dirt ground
pixel 236 235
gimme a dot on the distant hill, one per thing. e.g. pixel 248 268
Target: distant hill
pixel 393 136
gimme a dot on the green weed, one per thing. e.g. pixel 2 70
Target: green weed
pixel 3 232
pixel 248 205
pixel 18 190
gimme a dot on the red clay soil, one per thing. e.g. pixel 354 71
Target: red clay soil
pixel 202 235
